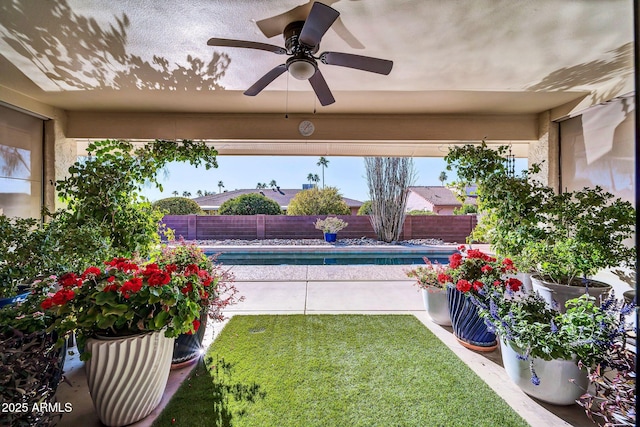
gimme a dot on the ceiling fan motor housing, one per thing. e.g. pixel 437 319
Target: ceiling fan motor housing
pixel 291 34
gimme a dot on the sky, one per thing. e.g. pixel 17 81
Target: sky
pixel 243 172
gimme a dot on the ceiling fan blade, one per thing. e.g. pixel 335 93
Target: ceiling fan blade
pixel 265 80
pixel 317 23
pixel 321 88
pixel 365 63
pixel 247 44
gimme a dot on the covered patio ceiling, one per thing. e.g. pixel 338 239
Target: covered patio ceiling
pixel 463 71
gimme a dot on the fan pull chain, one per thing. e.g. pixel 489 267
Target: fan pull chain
pixel 286 100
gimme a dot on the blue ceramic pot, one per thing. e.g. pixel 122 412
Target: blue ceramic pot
pixel 468 327
pixel 330 237
pixel 14 299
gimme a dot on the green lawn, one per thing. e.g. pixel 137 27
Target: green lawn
pixel 334 371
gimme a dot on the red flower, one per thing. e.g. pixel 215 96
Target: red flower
pixel 171 268
pixel 514 284
pixel 191 269
pixel 150 269
pixel 486 269
pixel 159 278
pixel 196 325
pixel 111 279
pixel 62 296
pixel 187 288
pixel 46 304
pixel 204 295
pixel 91 272
pixel 463 285
pixel 110 288
pixel 444 278
pixel 477 285
pixel 131 287
pixel 455 260
pixel 69 280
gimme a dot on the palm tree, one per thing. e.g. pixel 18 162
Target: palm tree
pixel 261 185
pixel 186 194
pixel 175 193
pixel 324 163
pixel 310 178
pixel 442 177
pixel 315 178
pixel 220 186
pixel 199 193
pixel 273 183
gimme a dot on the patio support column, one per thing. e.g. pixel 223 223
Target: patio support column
pixel 60 153
pixel 546 151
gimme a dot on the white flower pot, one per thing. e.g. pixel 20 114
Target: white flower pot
pixel 562 293
pixel 555 377
pixel 127 376
pixel 435 302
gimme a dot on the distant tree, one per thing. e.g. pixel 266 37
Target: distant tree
pixel 178 206
pixel 318 202
pixel 261 185
pixel 199 193
pixel 324 163
pixel 220 186
pixel 273 183
pixel 186 194
pixel 175 193
pixel 310 178
pixel 442 177
pixel 250 204
pixel 388 179
pixel 365 209
pixel 420 212
pixel 208 193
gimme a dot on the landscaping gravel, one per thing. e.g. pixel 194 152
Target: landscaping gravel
pixel 317 242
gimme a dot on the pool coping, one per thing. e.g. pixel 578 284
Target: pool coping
pixel 333 249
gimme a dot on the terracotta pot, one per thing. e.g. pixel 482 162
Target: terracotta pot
pixel 127 376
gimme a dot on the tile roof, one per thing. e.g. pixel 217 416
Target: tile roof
pixel 440 196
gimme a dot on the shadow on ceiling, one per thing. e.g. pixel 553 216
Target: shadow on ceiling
pixel 75 52
pixel 589 73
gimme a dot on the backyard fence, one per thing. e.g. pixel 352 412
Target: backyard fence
pixel 449 228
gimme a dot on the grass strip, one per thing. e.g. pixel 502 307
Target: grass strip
pixel 333 371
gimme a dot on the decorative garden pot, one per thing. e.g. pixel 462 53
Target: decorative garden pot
pixel 435 302
pixel 562 293
pixel 22 295
pixel 468 327
pixel 188 348
pixel 127 376
pixel 561 381
pixel 330 237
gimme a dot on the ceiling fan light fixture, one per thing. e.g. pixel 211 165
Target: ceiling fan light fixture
pixel 301 69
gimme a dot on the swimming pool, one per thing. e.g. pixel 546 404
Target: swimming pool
pixel 327 258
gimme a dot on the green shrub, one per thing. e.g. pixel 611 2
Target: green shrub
pixel 250 204
pixel 420 212
pixel 365 209
pixel 178 206
pixel 465 209
pixel 318 202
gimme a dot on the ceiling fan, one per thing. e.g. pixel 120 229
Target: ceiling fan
pixel 302 41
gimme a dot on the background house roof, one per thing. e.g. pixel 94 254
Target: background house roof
pixel 440 196
pixel 282 197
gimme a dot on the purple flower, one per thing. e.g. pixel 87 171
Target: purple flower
pixel 554 328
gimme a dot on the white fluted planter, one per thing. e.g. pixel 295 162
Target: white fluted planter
pixel 127 376
pixel 562 382
pixel 435 303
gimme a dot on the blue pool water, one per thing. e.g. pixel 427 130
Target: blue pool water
pixel 320 258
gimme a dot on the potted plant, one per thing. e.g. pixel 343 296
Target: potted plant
pixel 432 279
pixel 330 227
pixel 128 314
pixel 31 364
pixel 221 293
pixel 585 231
pixel 473 272
pixel 543 349
pixel 564 239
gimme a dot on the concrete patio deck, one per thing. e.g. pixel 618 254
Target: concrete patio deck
pixel 333 290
